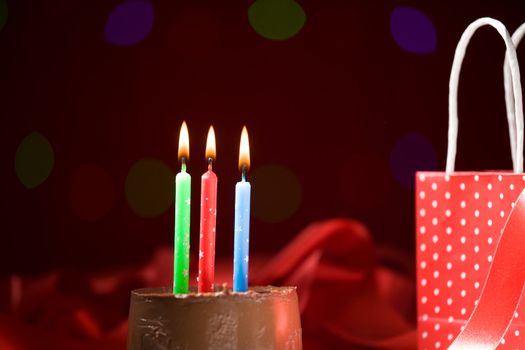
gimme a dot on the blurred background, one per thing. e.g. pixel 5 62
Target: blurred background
pixel 343 100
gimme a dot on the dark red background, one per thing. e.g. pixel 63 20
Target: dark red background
pixel 341 87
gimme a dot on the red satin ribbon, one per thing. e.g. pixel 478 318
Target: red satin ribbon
pixel 503 288
pixel 333 263
pixel 351 297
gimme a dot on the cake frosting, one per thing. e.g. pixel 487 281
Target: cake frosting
pixel 261 318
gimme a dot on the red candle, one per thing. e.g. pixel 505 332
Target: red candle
pixel 206 276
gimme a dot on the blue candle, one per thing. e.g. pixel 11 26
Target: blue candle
pixel 242 220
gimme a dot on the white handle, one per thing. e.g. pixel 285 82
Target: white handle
pixel 453 91
pixel 509 91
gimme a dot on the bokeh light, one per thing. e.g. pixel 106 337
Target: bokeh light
pixel 150 187
pixel 364 180
pixel 411 153
pixel 3 13
pixel 276 193
pixel 413 30
pixel 34 160
pixel 276 19
pixel 129 22
pixel 92 192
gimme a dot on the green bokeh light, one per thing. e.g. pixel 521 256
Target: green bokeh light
pixel 276 193
pixel 3 13
pixel 276 19
pixel 150 187
pixel 34 160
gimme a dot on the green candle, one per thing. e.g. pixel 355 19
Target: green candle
pixel 182 218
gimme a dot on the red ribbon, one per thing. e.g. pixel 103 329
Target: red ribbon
pixel 502 290
pixel 345 294
pixel 351 295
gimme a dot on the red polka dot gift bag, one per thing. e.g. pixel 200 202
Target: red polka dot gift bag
pixel 470 229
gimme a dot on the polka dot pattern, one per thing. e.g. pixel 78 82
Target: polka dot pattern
pixel 459 219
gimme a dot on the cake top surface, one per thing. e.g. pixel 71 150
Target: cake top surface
pixel 221 291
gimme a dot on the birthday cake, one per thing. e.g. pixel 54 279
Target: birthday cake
pixel 261 318
pixel 210 316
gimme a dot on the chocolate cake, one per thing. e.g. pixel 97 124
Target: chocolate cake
pixel 262 318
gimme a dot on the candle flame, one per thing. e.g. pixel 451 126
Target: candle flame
pixel 184 142
pixel 244 151
pixel 210 144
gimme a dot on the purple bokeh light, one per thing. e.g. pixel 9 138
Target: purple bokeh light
pixel 411 153
pixel 129 22
pixel 413 30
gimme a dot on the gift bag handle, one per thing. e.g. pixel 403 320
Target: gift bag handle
pixel 509 91
pixel 453 91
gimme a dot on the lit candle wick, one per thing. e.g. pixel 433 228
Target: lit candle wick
pixel 243 173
